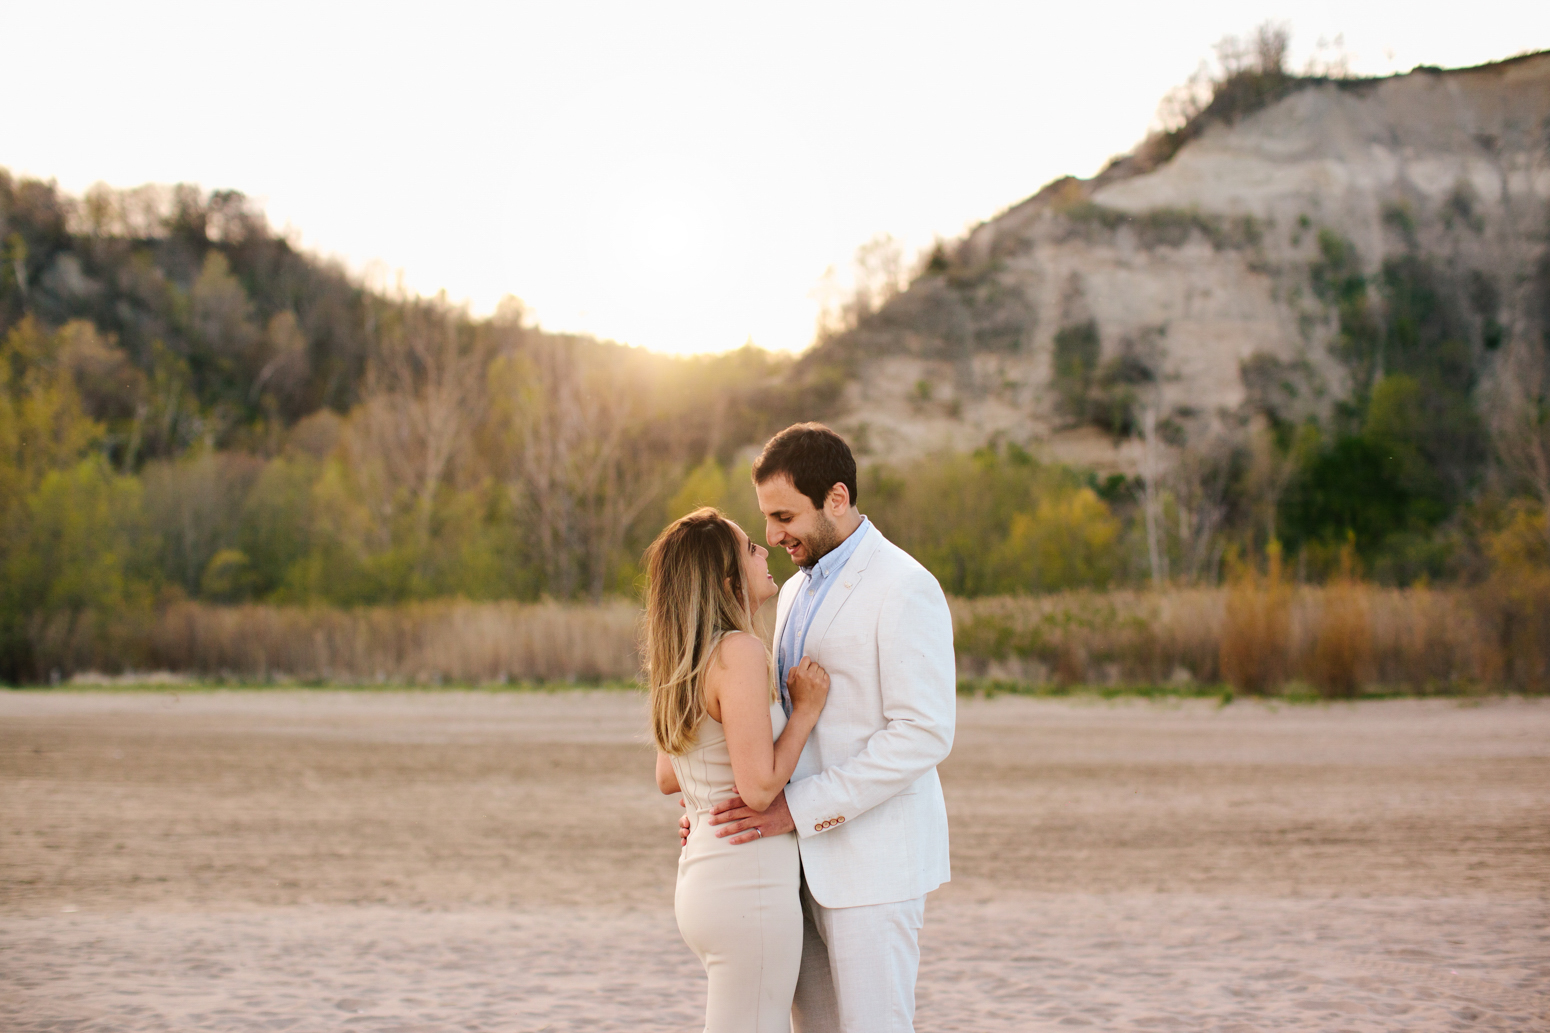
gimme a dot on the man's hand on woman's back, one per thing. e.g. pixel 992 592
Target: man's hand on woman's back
pixel 771 822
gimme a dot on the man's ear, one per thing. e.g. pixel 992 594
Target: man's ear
pixel 838 500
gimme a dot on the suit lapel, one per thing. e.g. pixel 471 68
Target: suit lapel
pixel 849 577
pixel 783 603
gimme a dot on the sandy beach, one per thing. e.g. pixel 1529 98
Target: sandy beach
pixel 318 860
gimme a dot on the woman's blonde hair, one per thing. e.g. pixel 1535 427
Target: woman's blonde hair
pixel 694 595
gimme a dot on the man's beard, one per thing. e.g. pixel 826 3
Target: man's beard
pixel 822 541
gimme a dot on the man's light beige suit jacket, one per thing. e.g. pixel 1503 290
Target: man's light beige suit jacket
pixel 865 795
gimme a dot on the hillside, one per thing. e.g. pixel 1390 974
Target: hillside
pixel 1273 269
pixel 1308 323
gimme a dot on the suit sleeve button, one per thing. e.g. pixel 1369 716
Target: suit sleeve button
pixel 840 819
pixel 818 828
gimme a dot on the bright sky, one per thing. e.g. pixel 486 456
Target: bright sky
pixel 676 175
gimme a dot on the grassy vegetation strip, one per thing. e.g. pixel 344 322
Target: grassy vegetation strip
pixel 1344 640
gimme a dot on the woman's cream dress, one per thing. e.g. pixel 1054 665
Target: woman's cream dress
pixel 738 906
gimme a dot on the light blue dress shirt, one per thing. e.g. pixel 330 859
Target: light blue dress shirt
pixel 820 578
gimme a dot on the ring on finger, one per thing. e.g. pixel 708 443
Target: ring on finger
pixel 759 831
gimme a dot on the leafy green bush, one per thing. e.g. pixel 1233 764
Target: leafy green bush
pixel 996 521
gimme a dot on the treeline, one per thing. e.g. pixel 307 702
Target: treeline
pixel 190 408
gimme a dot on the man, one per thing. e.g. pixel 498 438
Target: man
pixel 865 799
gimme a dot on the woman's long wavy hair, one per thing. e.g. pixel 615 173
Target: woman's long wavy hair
pixel 694 595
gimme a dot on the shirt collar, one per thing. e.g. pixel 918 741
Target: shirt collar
pixel 835 558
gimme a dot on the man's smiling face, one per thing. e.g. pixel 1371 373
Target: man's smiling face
pixel 793 523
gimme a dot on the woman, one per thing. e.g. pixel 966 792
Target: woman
pixel 720 731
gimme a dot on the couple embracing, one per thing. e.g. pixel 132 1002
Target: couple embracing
pixel 815 822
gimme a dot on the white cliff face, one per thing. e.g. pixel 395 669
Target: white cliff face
pixel 1204 267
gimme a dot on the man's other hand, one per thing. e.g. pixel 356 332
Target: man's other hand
pixel 740 820
pixel 683 826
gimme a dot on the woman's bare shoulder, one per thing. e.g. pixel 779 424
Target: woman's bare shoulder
pixel 740 662
pixel 741 649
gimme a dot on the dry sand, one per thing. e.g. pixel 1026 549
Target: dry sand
pixel 468 861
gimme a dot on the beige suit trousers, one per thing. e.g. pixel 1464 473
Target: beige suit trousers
pixel 858 967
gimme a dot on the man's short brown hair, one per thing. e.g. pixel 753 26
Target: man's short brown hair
pixel 813 456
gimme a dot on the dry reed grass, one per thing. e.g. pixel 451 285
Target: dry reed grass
pixel 1256 629
pixel 1258 636
pixel 1342 647
pixel 419 643
pixel 1090 637
pixel 1516 615
pixel 1261 636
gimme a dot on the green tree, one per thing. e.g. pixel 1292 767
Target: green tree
pixel 82 564
pixel 995 521
pixel 275 525
pixel 705 485
pixel 194 506
pixel 1069 541
pixel 43 430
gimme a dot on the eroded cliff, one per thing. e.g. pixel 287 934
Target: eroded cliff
pixel 1262 269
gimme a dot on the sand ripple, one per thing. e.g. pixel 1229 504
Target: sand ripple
pixel 1107 962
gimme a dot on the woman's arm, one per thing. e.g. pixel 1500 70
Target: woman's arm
pixel 738 683
pixel 667 778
